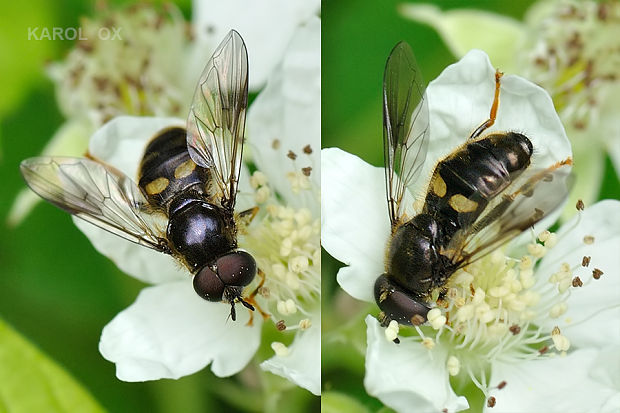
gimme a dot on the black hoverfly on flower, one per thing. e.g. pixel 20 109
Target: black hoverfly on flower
pixel 480 196
pixel 183 204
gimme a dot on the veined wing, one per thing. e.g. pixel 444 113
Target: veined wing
pixel 533 196
pixel 405 126
pixel 96 193
pixel 216 120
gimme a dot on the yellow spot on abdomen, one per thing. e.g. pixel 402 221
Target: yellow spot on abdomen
pixel 157 186
pixel 185 169
pixel 462 204
pixel 439 186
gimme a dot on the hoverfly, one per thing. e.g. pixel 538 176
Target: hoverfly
pixel 480 196
pixel 188 177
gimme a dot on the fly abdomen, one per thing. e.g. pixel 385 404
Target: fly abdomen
pixel 167 169
pixel 463 183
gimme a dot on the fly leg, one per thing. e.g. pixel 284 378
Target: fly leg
pixel 244 218
pixel 252 299
pixel 489 122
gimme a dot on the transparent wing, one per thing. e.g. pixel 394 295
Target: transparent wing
pixel 216 120
pixel 97 194
pixel 405 126
pixel 535 195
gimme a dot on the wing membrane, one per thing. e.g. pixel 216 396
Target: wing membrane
pixel 216 120
pixel 95 193
pixel 405 126
pixel 533 196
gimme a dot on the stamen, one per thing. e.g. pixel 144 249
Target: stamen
pixel 435 318
pixel 585 261
pixel 258 179
pixel 287 307
pixel 286 243
pixel 262 195
pixel 580 205
pixel 391 331
pixel 453 365
pixel 280 349
pixel 428 343
pixel 560 342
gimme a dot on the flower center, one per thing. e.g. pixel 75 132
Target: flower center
pixel 286 244
pixel 125 63
pixel 569 57
pixel 492 310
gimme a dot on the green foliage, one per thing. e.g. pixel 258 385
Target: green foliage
pixel 31 382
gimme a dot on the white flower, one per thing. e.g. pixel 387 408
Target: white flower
pixel 152 68
pixel 170 331
pixel 568 47
pixel 136 72
pixel 266 26
pixel 503 336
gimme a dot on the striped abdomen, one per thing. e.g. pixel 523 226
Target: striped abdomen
pixel 167 170
pixel 463 183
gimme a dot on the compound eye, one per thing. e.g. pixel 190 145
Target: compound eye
pixel 237 268
pixel 397 304
pixel 208 285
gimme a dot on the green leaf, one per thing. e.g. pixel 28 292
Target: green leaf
pixel 31 382
pixel 499 36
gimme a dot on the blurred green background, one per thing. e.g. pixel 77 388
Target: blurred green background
pixel 55 290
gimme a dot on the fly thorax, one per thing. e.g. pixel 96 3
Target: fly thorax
pixel 200 232
pixel 412 255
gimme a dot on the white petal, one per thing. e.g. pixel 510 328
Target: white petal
pixel 560 384
pixel 355 226
pixel 405 377
pixel 289 110
pixel 593 316
pixel 527 108
pixel 121 142
pixel 603 370
pixel 266 26
pixel 138 261
pixel 460 100
pixel 170 332
pixel 302 365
